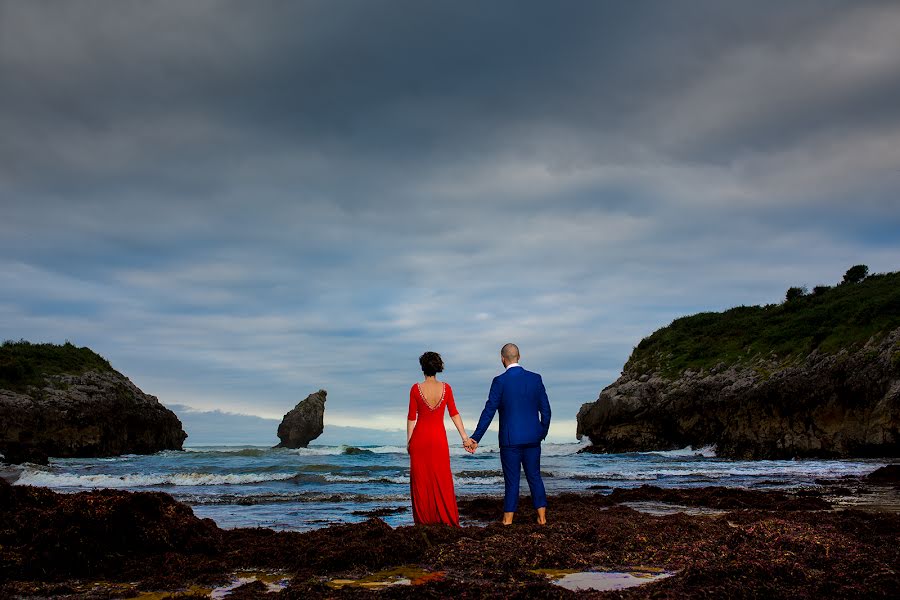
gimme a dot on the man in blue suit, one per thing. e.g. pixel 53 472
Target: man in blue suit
pixel 521 399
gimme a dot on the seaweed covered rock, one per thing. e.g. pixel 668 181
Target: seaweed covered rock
pixel 49 534
pixel 54 544
pixel 304 423
pixel 887 474
pixel 69 402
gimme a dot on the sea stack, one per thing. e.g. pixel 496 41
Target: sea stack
pixel 64 401
pixel 304 423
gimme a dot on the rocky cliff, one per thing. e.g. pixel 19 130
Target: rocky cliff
pixel 844 404
pixel 304 423
pixel 789 380
pixel 95 413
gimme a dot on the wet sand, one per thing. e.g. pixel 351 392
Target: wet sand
pixel 699 542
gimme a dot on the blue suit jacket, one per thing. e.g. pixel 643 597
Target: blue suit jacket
pixel 521 399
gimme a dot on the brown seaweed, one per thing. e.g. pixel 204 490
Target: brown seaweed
pixel 768 544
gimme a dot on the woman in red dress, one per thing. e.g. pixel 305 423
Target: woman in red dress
pixel 430 479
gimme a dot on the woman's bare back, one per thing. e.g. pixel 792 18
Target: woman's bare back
pixel 432 391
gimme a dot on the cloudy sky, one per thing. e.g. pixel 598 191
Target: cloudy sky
pixel 239 203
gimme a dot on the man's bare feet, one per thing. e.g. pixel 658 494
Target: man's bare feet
pixel 507 518
pixel 542 515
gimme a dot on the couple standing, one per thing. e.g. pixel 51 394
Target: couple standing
pixel 521 400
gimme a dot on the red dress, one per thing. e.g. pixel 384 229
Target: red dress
pixel 430 479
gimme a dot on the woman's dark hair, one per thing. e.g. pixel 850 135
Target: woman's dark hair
pixel 432 363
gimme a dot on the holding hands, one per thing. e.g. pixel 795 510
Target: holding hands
pixel 470 445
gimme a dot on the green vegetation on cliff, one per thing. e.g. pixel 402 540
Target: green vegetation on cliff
pixel 843 316
pixel 23 364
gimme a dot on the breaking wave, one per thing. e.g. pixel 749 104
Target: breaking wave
pixel 478 480
pixel 277 498
pixel 687 451
pixel 364 479
pixel 54 480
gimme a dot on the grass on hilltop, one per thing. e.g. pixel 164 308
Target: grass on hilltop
pixel 831 318
pixel 23 364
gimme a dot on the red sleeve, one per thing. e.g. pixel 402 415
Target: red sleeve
pixel 451 404
pixel 411 415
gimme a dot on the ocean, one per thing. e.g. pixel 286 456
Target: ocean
pixel 308 488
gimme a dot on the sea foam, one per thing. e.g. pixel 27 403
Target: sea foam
pixel 687 451
pixel 38 477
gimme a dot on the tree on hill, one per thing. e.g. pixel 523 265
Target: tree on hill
pixel 794 292
pixel 856 273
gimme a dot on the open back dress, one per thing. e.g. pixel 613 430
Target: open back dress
pixel 430 479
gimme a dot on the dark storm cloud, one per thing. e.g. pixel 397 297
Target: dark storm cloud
pixel 216 83
pixel 258 191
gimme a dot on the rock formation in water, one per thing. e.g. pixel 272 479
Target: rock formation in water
pixel 98 412
pixel 789 381
pixel 304 423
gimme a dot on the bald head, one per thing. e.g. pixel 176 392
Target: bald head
pixel 510 353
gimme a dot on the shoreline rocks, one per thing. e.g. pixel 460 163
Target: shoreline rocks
pixel 888 474
pixel 116 543
pixel 93 414
pixel 845 404
pixel 304 423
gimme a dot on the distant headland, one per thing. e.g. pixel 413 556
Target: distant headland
pixel 815 376
pixel 64 401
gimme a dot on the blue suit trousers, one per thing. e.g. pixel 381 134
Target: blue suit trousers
pixel 529 458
